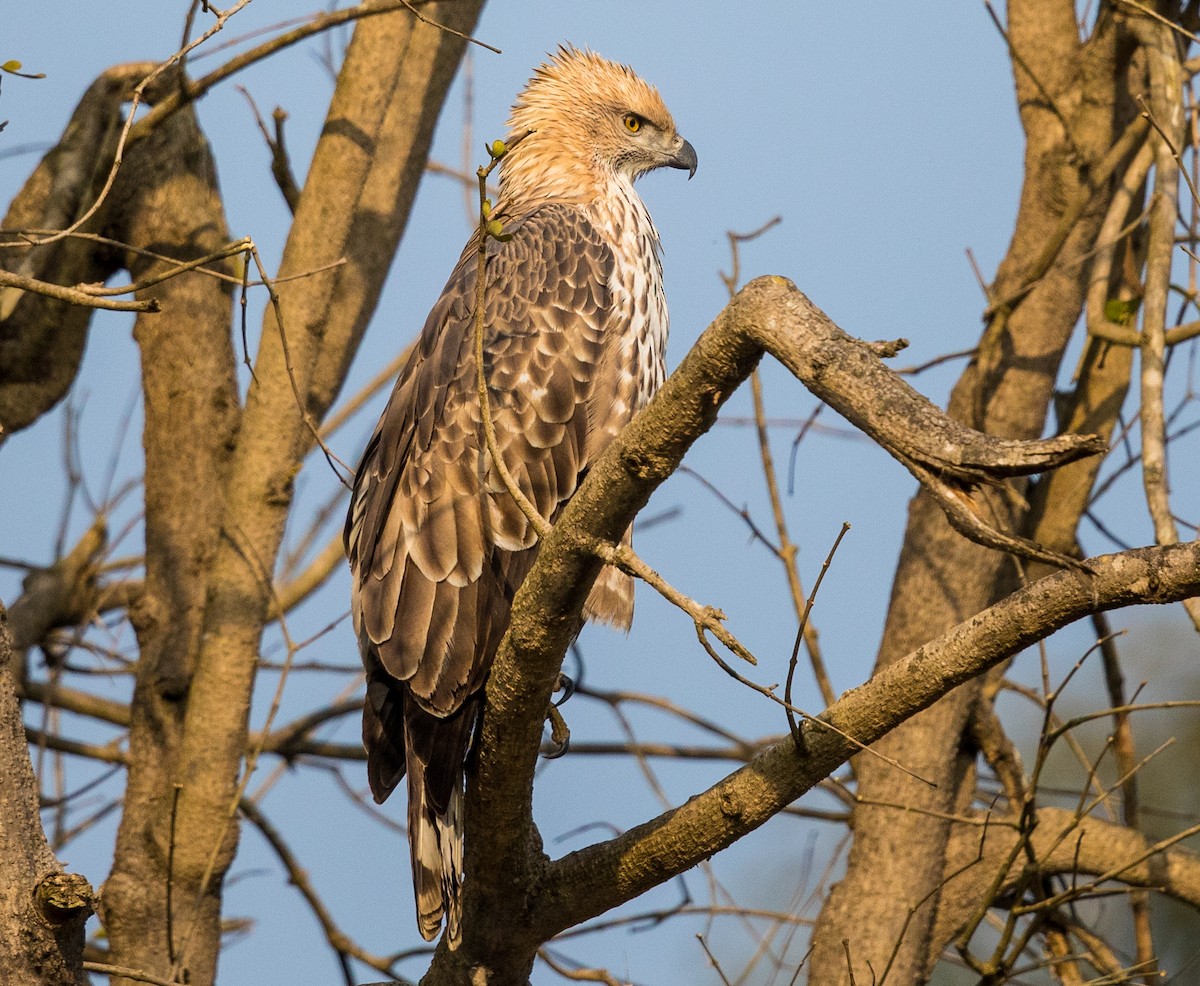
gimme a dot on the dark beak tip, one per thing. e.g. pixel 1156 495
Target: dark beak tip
pixel 685 159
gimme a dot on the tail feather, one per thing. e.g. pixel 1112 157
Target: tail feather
pixel 611 598
pixel 436 842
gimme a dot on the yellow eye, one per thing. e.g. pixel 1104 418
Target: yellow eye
pixel 633 123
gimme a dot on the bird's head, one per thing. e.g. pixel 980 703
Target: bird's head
pixel 589 119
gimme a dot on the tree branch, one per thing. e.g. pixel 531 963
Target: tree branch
pixel 589 881
pixel 768 315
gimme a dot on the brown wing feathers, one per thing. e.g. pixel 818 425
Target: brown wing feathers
pixel 437 555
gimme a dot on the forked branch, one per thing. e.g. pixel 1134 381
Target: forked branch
pixel 770 315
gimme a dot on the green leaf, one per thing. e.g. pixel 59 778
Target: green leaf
pixel 1121 310
pixel 13 67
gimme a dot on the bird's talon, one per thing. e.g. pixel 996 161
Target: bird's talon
pixel 566 685
pixel 560 734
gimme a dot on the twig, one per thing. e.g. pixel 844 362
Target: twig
pixel 768 692
pixel 743 513
pixel 1166 87
pixel 713 960
pixel 491 229
pixel 281 165
pixel 812 598
pixel 1125 751
pixel 177 267
pixel 1150 12
pixel 929 364
pixel 124 973
pixel 579 974
pixel 76 295
pixel 787 555
pixel 449 30
pixel 141 252
pixel 344 948
pixel 109 752
pixel 175 791
pixel 301 403
pixel 707 619
pixel 381 379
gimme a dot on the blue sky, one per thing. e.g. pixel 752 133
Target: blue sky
pixel 883 135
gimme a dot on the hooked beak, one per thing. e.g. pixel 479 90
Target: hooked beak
pixel 685 159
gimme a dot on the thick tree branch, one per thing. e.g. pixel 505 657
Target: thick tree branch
pixel 768 315
pixel 165 199
pixel 42 951
pixel 42 338
pixel 1091 847
pixel 592 880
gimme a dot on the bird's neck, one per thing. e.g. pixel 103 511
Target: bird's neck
pixel 607 197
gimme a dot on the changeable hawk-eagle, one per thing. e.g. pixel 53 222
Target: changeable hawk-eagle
pixel 575 325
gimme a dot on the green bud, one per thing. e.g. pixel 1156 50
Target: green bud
pixel 486 208
pixel 495 228
pixel 1121 311
pixel 13 67
pixel 498 148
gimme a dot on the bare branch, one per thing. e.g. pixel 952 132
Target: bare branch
pixel 76 295
pixel 655 850
pixel 768 314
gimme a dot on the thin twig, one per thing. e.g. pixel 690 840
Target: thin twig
pixel 175 792
pixel 76 295
pixel 483 234
pixel 812 598
pixel 301 403
pixel 1166 116
pixel 713 960
pixel 122 972
pixel 343 947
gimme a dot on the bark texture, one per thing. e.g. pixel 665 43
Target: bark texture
pixel 167 201
pixel 42 340
pixel 42 909
pixel 514 897
pixel 1074 102
pixel 200 635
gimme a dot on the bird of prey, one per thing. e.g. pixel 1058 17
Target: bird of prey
pixel 575 324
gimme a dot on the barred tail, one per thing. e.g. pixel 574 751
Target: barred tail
pixel 436 842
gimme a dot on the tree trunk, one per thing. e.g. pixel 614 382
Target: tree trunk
pixel 42 909
pixel 200 639
pixel 898 859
